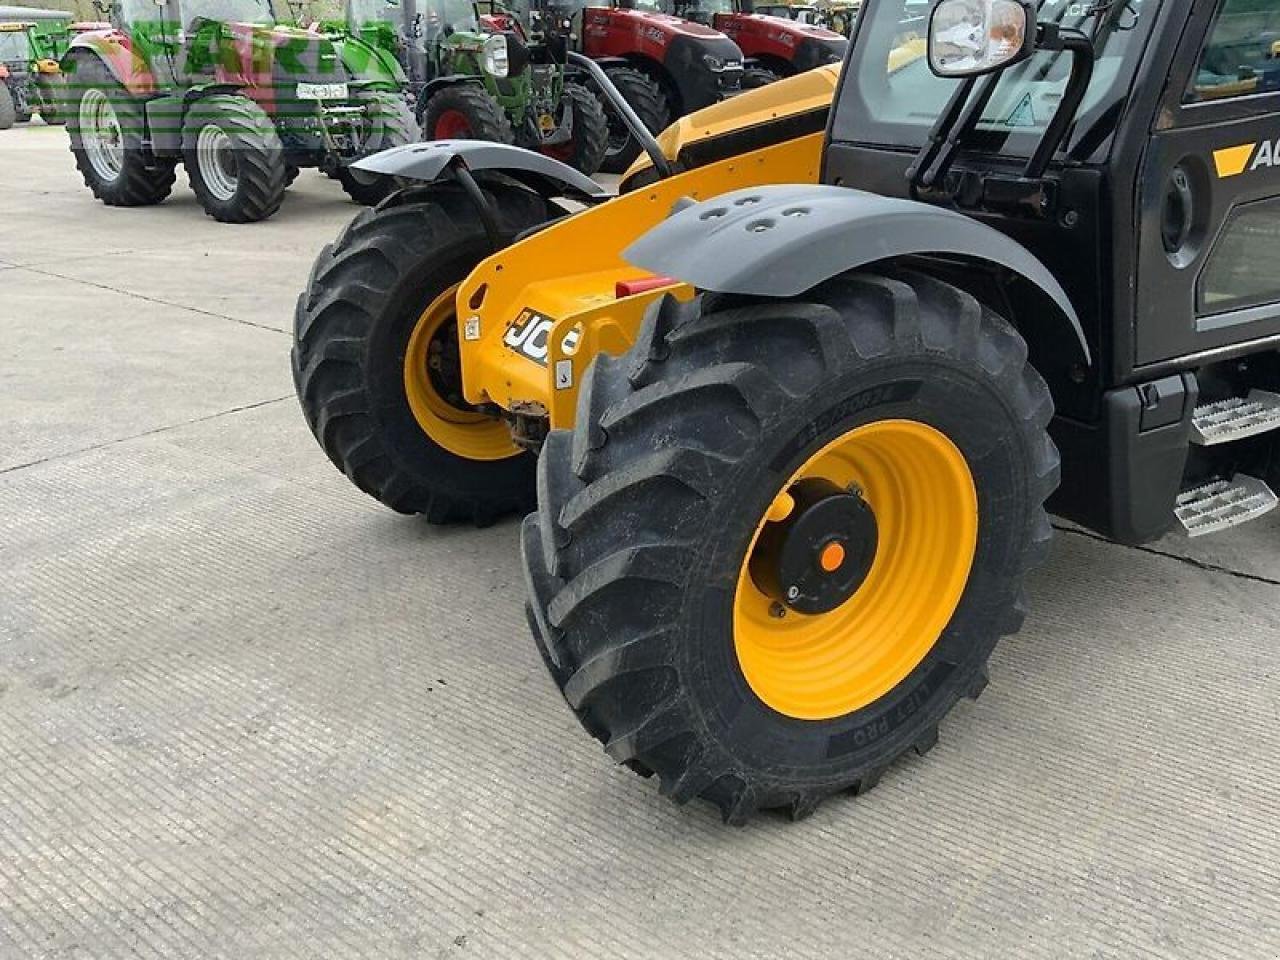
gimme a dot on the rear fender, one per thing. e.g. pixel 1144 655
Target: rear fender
pixel 789 238
pixel 114 50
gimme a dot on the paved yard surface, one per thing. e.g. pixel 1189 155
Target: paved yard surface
pixel 246 712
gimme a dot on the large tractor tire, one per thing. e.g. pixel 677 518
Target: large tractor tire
pixel 234 158
pixel 393 126
pixel 376 364
pixel 8 115
pixel 585 152
pixel 784 536
pixel 464 111
pixel 105 126
pixel 650 104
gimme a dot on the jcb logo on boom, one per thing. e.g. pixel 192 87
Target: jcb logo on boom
pixel 1232 161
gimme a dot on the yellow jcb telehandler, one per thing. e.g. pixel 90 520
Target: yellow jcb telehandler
pixel 789 408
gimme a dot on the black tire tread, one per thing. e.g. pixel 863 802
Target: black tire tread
pixel 590 129
pixel 488 121
pixel 8 112
pixel 352 280
pixel 143 183
pixel 646 98
pixel 262 174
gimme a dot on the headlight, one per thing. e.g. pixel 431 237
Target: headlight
pixel 713 62
pixel 494 58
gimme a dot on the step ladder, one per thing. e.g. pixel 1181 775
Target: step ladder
pixel 1235 418
pixel 1223 504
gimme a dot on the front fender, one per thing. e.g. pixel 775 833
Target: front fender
pixel 368 63
pixel 427 161
pixel 786 239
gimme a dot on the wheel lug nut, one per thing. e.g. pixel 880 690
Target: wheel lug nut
pixel 777 610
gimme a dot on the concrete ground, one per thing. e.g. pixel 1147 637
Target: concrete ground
pixel 247 712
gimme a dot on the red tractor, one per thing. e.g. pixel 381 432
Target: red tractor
pixel 774 46
pixel 663 65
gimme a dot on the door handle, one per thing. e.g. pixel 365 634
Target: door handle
pixel 1179 212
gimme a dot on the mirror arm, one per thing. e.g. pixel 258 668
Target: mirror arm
pixel 967 120
pixel 941 127
pixel 1082 56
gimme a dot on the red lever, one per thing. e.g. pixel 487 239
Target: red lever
pixel 628 288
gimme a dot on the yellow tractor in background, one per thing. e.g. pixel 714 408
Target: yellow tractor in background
pixel 789 408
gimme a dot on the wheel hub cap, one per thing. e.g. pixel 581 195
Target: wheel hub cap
pixel 819 554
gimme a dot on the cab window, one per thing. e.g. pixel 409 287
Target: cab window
pixel 1241 54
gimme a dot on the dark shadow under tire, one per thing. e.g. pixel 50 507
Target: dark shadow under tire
pixel 465 110
pixel 646 98
pixel 351 333
pixel 140 180
pixel 646 510
pixel 234 158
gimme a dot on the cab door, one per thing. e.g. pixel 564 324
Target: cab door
pixel 1209 237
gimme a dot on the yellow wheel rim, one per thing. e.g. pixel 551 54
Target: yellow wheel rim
pixel 465 433
pixel 821 666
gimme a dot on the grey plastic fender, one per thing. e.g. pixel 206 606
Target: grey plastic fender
pixel 427 160
pixel 781 240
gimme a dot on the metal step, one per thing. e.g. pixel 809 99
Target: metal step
pixel 1235 418
pixel 1223 504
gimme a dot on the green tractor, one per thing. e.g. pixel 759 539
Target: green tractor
pixel 240 99
pixel 523 73
pixel 483 72
pixel 30 81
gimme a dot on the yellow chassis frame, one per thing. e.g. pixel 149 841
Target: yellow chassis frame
pixel 568 273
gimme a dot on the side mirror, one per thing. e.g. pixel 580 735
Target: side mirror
pixel 968 38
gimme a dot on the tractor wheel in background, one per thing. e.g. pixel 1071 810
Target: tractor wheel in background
pixel 393 126
pixel 291 172
pixel 781 541
pixel 234 158
pixel 650 104
pixel 105 127
pixel 8 115
pixel 755 77
pixel 465 111
pixel 585 152
pixel 376 363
